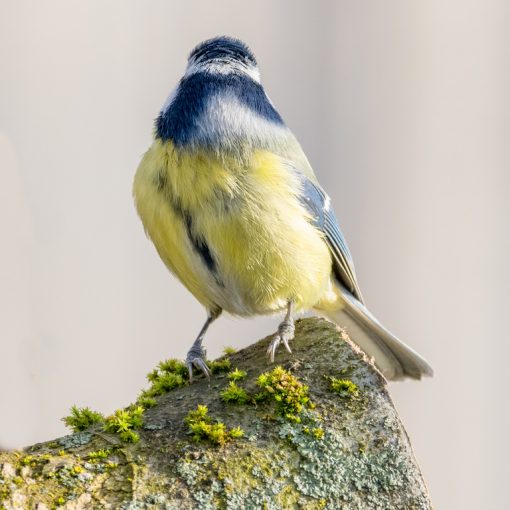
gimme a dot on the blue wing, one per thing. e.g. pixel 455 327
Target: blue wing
pixel 318 204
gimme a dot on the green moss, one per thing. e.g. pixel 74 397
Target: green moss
pixel 200 413
pixel 237 375
pixel 229 350
pixel 98 455
pixel 289 394
pixel 216 433
pixel 146 401
pixel 236 432
pixel 129 436
pixel 316 432
pixel 124 421
pixel 204 428
pixel 82 418
pixel 233 394
pixel 343 387
pixel 27 460
pixel 5 493
pixel 168 375
pixel 164 383
pixel 174 366
pixel 218 366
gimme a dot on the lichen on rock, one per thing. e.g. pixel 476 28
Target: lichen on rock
pixel 319 432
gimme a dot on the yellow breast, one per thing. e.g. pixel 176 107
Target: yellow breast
pixel 246 215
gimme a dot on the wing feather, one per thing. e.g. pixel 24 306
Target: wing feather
pixel 318 204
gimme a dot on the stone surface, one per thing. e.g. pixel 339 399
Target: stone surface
pixel 349 451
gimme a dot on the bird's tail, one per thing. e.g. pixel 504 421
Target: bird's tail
pixel 391 356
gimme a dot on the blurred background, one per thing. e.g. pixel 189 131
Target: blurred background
pixel 403 109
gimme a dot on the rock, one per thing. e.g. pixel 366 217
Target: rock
pixel 319 433
pixel 7 471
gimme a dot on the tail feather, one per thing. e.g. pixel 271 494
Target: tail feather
pixel 392 357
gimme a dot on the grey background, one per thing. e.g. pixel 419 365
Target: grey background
pixel 403 110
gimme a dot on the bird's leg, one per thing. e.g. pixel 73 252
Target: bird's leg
pixel 196 356
pixel 284 334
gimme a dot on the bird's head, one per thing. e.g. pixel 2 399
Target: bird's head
pixel 223 55
pixel 220 103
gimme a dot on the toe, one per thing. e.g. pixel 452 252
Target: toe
pixel 270 353
pixel 189 364
pixel 201 365
pixel 287 346
pixel 273 346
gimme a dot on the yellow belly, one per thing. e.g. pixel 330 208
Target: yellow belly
pixel 266 252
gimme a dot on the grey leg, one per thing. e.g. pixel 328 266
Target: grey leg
pixel 196 356
pixel 284 334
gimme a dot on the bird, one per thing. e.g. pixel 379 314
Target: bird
pixel 235 211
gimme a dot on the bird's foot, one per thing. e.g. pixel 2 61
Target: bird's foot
pixel 196 357
pixel 283 336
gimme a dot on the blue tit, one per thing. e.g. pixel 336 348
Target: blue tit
pixel 234 209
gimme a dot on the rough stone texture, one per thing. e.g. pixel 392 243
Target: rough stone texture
pixel 363 461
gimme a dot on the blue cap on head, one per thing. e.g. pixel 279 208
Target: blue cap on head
pixel 222 49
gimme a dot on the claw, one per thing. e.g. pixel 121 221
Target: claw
pixel 199 364
pixel 272 348
pixel 284 335
pixel 197 358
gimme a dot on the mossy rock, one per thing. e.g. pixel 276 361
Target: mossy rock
pixel 337 450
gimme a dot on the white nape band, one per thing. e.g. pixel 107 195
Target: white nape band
pixel 222 68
